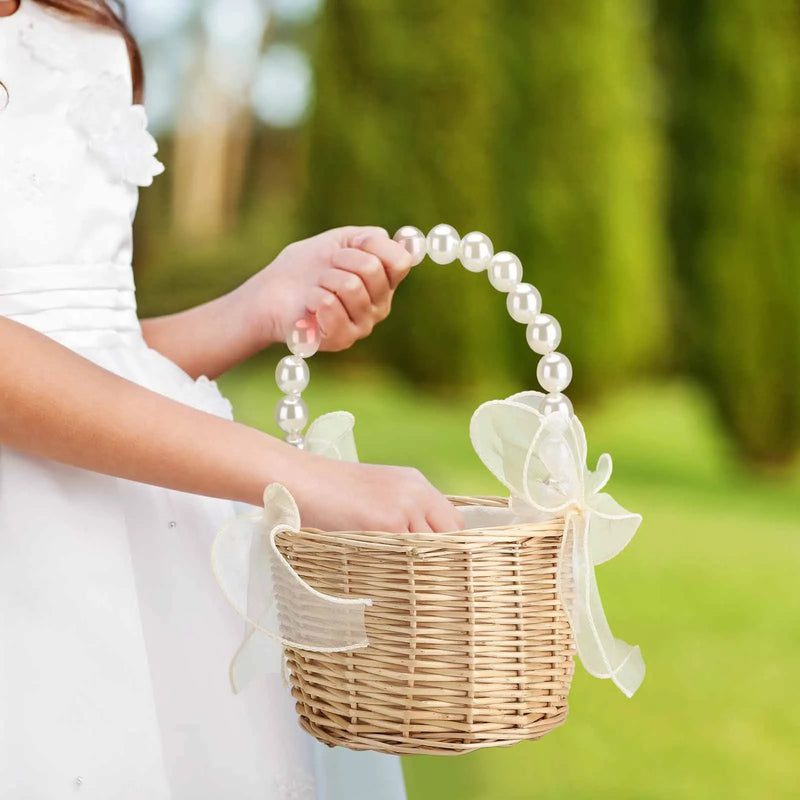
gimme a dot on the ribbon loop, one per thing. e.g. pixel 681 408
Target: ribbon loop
pixel 542 460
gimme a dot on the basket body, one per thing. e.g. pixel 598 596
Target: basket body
pixel 469 644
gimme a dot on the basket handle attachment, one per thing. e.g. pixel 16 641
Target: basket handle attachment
pixel 541 460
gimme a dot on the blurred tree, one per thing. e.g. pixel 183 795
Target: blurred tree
pixel 405 124
pixel 214 126
pixel 735 125
pixel 581 165
pixel 225 90
pixel 530 121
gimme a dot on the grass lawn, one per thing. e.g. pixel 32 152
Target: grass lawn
pixel 707 588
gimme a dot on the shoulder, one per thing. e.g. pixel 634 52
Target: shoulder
pixel 38 41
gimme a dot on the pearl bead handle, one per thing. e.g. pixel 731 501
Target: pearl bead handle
pixel 442 245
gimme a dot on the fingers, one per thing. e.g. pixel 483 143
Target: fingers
pixel 432 511
pixel 419 524
pixel 395 258
pixel 445 518
pixel 369 269
pixel 356 293
pixel 348 232
pixel 338 332
pixel 353 295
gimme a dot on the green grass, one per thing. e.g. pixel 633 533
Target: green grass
pixel 707 588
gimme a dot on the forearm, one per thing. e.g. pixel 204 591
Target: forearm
pixel 56 404
pixel 208 339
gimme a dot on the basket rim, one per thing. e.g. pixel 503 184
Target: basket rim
pixel 553 527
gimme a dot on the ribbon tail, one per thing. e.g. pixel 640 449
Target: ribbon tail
pixel 257 655
pixel 273 600
pixel 600 652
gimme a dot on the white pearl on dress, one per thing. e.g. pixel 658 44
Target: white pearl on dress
pixel 543 334
pixel 505 271
pixel 292 375
pixel 443 244
pixel 475 251
pixel 556 403
pixel 413 239
pixel 291 414
pixel 524 303
pixel 295 440
pixel 554 372
pixel 303 339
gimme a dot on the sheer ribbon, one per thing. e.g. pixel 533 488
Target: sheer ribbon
pixel 275 602
pixel 542 461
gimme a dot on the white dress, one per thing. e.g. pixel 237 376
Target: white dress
pixel 114 637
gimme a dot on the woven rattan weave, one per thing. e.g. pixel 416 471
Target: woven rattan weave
pixel 469 646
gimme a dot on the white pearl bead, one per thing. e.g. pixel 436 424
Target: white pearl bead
pixel 524 303
pixel 554 372
pixel 443 244
pixel 543 334
pixel 505 271
pixel 556 403
pixel 475 251
pixel 292 375
pixel 291 414
pixel 413 239
pixel 295 440
pixel 304 337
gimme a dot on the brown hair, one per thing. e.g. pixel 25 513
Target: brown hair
pixel 109 15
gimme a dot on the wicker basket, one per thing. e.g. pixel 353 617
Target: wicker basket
pixel 469 646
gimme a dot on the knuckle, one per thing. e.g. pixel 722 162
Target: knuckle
pixel 395 522
pixel 365 328
pixel 417 476
pixel 372 265
pixel 352 283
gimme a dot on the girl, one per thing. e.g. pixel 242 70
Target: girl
pixel 119 457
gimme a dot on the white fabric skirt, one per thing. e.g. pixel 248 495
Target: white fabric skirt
pixel 115 640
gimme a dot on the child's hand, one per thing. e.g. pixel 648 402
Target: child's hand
pixel 346 276
pixel 345 496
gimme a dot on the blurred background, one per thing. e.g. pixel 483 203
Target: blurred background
pixel 643 160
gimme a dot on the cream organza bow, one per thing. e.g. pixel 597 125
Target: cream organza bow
pixel 275 602
pixel 542 461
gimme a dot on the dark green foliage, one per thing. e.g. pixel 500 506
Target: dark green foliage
pixel 531 122
pixel 403 131
pixel 735 126
pixel 581 160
